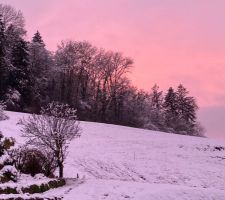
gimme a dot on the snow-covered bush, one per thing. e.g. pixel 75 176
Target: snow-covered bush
pixel 40 188
pixel 7 171
pixel 13 99
pixel 5 144
pixel 33 161
pixel 8 143
pixel 2 109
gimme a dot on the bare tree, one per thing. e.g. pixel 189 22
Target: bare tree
pixel 12 17
pixel 111 68
pixel 74 60
pixel 53 129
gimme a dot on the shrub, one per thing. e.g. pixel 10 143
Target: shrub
pixel 8 143
pixel 32 161
pixel 5 144
pixel 2 109
pixel 8 190
pixel 9 173
pixel 32 189
pixel 1 145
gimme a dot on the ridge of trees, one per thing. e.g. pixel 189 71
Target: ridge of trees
pixel 92 80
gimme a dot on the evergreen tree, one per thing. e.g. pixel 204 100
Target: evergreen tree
pixel 20 61
pixel 40 57
pixel 170 108
pixel 170 104
pixel 41 63
pixel 38 39
pixel 11 30
pixel 3 61
pixel 186 107
pixel 12 37
pixel 180 111
pixel 20 78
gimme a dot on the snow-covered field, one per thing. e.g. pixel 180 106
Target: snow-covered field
pixel 116 162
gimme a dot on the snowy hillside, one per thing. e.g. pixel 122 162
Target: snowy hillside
pixel 127 163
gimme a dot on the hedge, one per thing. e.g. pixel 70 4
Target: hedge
pixel 32 189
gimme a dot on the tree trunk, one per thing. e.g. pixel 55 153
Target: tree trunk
pixel 61 170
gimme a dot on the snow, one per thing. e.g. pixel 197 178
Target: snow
pixel 9 168
pixel 117 190
pixel 4 158
pixel 116 162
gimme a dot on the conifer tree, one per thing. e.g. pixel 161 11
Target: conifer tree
pixel 186 107
pixel 170 108
pixel 38 39
pixel 170 102
pixel 41 63
pixel 180 111
pixel 20 78
pixel 3 61
pixel 11 30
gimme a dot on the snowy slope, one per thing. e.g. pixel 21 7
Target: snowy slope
pixel 127 163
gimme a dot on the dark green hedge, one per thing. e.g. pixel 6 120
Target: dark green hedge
pixel 32 189
pixel 8 190
pixel 31 198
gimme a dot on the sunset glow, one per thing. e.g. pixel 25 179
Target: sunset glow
pixel 171 42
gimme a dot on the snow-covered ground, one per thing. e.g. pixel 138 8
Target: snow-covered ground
pixel 127 163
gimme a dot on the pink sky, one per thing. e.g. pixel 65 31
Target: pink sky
pixel 171 41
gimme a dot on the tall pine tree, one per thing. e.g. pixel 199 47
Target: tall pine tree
pixel 38 39
pixel 41 63
pixel 170 109
pixel 180 111
pixel 3 59
pixel 20 79
pixel 186 107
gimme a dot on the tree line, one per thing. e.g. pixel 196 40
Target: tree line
pixel 92 80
